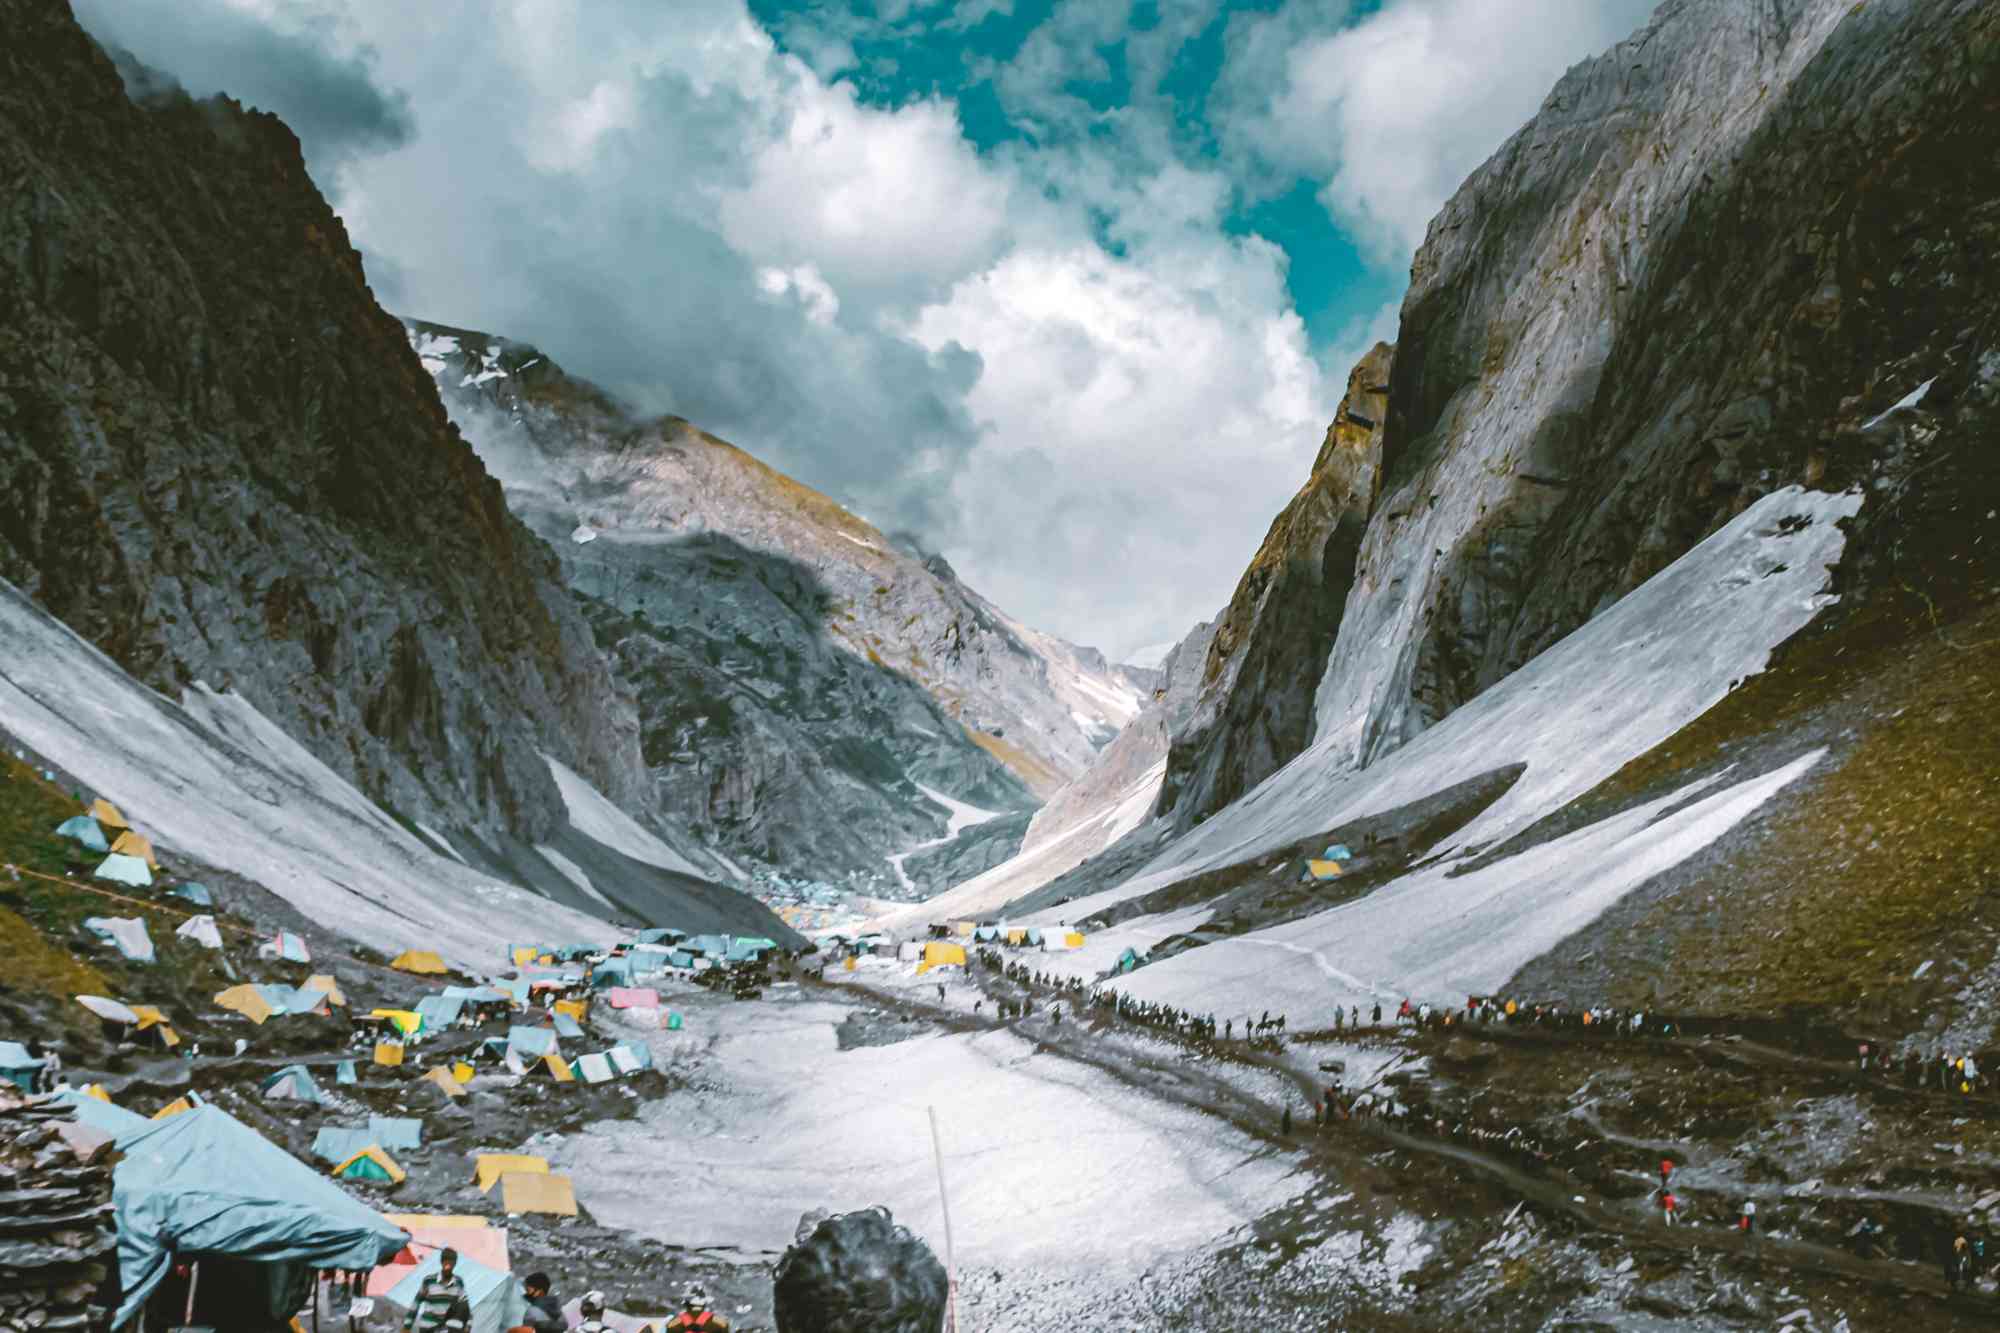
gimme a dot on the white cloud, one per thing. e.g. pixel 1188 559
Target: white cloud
pixel 1393 112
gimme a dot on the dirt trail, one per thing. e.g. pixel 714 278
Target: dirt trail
pixel 1347 1148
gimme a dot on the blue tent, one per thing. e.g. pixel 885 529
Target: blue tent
pixel 1338 852
pixel 344 1072
pixel 399 1134
pixel 18 1067
pixel 439 1012
pixel 747 951
pixel 714 946
pixel 292 1084
pixel 565 1026
pixel 532 1041
pixel 478 994
pixel 680 959
pixel 612 972
pixel 659 936
pixel 337 1143
pixel 516 989
pixel 198 894
pixel 84 829
pixel 116 1121
pixel 202 1183
pixel 496 1298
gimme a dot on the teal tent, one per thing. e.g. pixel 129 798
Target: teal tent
pixel 203 1184
pixel 130 871
pixel 1129 960
pixel 612 972
pixel 344 1073
pixel 116 1121
pixel 1338 852
pixel 198 894
pixel 714 946
pixel 391 1132
pixel 674 1022
pixel 534 1042
pixel 659 936
pixel 747 951
pixel 292 1084
pixel 986 934
pixel 438 1012
pixel 334 1144
pixel 679 959
pixel 18 1067
pixel 516 989
pixel 85 830
pixel 496 1298
pixel 565 1026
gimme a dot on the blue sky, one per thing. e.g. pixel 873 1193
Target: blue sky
pixel 1065 289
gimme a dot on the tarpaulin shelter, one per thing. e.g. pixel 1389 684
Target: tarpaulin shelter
pixel 372 1165
pixel 595 1068
pixel 336 1143
pixel 127 870
pixel 475 1239
pixel 203 1185
pixel 520 955
pixel 1129 959
pixel 328 986
pixel 446 1079
pixel 1321 871
pixel 389 1053
pixel 136 844
pixel 345 1073
pixel 116 1121
pixel 631 997
pixel 1338 852
pixel 202 930
pixel 478 994
pixel 18 1067
pixel 709 946
pixel 531 1041
pixel 402 1133
pixel 564 1025
pixel 986 934
pixel 439 1011
pixel 292 1084
pixel 198 894
pixel 286 946
pixel 630 1057
pixel 612 972
pixel 1058 939
pixel 248 1001
pixel 515 987
pixel 576 1009
pixel 1017 937
pixel 660 935
pixel 153 1021
pixel 406 1021
pixel 86 831
pixel 109 1010
pixel 126 933
pixel 748 951
pixel 680 958
pixel 537 1192
pixel 939 953
pixel 307 1000
pixel 488 1167
pixel 420 961
pixel 107 814
pixel 495 1295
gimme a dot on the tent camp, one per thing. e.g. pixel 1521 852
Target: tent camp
pixel 202 930
pixel 18 1067
pixel 285 945
pixel 612 972
pixel 84 830
pixel 537 1192
pixel 488 1167
pixel 127 870
pixel 292 1084
pixel 420 961
pixel 439 1011
pixel 447 1080
pixel 204 1186
pixel 708 946
pixel 1321 871
pixel 107 814
pixel 939 953
pixel 629 997
pixel 494 1294
pixel 138 845
pixel 126 933
pixel 370 1166
pixel 198 894
pixel 328 986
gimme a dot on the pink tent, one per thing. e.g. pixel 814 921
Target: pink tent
pixel 631 997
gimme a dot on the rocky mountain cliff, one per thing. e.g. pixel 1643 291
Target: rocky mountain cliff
pixel 808 685
pixel 220 461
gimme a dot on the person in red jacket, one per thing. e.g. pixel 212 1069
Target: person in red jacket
pixel 695 1313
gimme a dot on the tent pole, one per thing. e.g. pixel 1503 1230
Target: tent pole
pixel 194 1280
pixel 944 1203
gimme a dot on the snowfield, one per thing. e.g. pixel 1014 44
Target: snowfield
pixel 215 779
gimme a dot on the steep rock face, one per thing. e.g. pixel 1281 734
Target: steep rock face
pixel 1714 252
pixel 1255 710
pixel 220 461
pixel 801 677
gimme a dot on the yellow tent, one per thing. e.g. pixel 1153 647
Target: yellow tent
pixel 174 1107
pixel 965 928
pixel 939 953
pixel 246 1001
pixel 107 814
pixel 525 954
pixel 537 1192
pixel 443 1078
pixel 849 965
pixel 129 843
pixel 462 1072
pixel 388 1052
pixel 407 1022
pixel 488 1167
pixel 150 1017
pixel 577 1009
pixel 1074 939
pixel 328 986
pixel 1324 869
pixel 1017 936
pixel 558 1068
pixel 97 1090
pixel 371 1163
pixel 421 961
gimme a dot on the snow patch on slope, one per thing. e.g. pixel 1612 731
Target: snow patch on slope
pixel 217 780
pixel 959 816
pixel 594 816
pixel 573 872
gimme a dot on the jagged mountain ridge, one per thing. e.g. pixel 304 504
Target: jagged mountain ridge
pixel 220 462
pixel 802 676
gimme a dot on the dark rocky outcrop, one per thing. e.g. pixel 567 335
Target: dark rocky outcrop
pixel 1263 668
pixel 219 459
pixel 859 1270
pixel 973 852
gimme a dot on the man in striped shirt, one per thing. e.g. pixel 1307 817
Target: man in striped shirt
pixel 441 1303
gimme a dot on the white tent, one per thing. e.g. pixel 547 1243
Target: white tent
pixel 128 870
pixel 202 930
pixel 128 933
pixel 595 1068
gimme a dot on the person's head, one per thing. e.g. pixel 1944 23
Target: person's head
pixel 592 1305
pixel 447 1260
pixel 537 1285
pixel 695 1297
pixel 859 1270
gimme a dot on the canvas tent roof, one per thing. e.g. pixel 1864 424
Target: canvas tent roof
pixel 321 982
pixel 116 1121
pixel 439 1011
pixel 443 1078
pixel 940 953
pixel 494 1294
pixel 629 997
pixel 107 814
pixel 108 1009
pixel 133 843
pixel 407 1021
pixel 488 1167
pixel 85 830
pixel 399 1132
pixel 126 933
pixel 612 972
pixel 126 870
pixel 336 1143
pixel 595 1068
pixel 531 1041
pixel 478 994
pixel 292 1084
pixel 1323 870
pixel 420 961
pixel 714 946
pixel 473 1237
pixel 565 1026
pixel 287 946
pixel 203 1183
pixel 371 1163
pixel 198 894
pixel 202 930
pixel 537 1192
pixel 248 1001
pixel 18 1066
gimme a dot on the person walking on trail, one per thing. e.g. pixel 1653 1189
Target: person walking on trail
pixel 1378 1014
pixel 1666 1171
pixel 1864 1057
pixel 1958 1264
pixel 543 1313
pixel 1747 1222
pixel 940 992
pixel 441 1301
pixel 1668 1203
pixel 1285 1124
